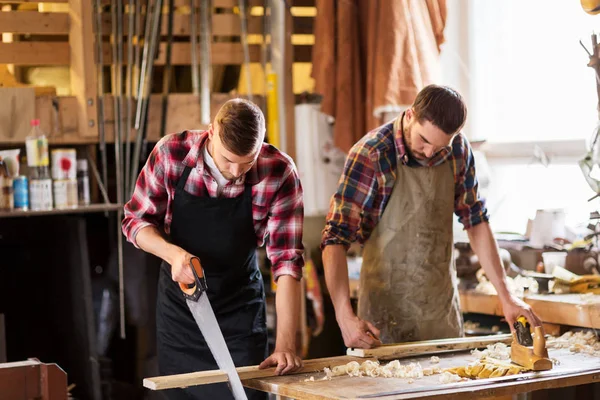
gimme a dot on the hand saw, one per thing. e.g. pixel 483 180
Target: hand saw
pixel 197 300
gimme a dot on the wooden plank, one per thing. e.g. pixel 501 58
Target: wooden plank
pixel 34 22
pixel 574 369
pixel 222 25
pixel 246 373
pixel 562 309
pixel 44 23
pixel 54 382
pixel 20 380
pixel 33 1
pixel 179 3
pixel 430 346
pixel 35 53
pixel 58 53
pixel 83 67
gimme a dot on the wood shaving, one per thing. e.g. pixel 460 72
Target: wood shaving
pixel 411 381
pixel 393 369
pixel 576 342
pixel 311 379
pixel 447 377
pixel 435 360
pixel 499 351
pixel 486 368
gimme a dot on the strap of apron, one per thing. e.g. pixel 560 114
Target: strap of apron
pixel 248 191
pixel 183 178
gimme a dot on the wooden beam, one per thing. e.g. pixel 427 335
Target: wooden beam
pixel 34 22
pixel 83 67
pixel 59 53
pixel 246 373
pixel 429 346
pixel 35 53
pixel 44 23
pixel 222 25
pixel 33 1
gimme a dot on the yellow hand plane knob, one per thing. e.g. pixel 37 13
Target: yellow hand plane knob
pixel 527 351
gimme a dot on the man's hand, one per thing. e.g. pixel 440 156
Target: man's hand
pixel 286 361
pixel 358 333
pixel 180 266
pixel 513 308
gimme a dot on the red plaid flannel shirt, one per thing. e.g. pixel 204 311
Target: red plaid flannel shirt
pixel 277 205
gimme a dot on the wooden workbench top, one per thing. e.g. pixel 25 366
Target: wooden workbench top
pixel 561 309
pixel 574 369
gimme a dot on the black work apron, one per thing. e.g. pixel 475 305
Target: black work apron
pixel 220 231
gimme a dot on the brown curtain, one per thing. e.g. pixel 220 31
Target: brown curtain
pixel 373 56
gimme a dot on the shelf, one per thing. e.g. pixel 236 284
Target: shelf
pixel 92 208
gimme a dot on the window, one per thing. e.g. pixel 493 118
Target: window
pixel 525 77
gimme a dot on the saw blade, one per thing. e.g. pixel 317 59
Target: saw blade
pixel 207 322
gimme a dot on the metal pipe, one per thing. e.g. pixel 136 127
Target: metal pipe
pixel 97 176
pixel 116 82
pixel 100 95
pixel 129 90
pixel 135 85
pixel 117 44
pixel 145 59
pixel 206 66
pixel 167 71
pixel 245 48
pixel 278 28
pixel 121 277
pixel 144 125
pixel 194 48
pixel 143 105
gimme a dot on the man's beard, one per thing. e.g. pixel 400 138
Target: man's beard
pixel 419 157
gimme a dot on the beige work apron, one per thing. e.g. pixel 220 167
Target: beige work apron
pixel 408 283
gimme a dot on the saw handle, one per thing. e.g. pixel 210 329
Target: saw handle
pixel 194 290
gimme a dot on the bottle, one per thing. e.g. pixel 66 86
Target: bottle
pixel 40 182
pixel 83 183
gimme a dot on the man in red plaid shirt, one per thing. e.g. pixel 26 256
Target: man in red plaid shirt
pixel 218 195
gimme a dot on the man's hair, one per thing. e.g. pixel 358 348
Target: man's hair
pixel 241 126
pixel 442 106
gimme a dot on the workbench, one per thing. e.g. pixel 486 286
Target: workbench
pixel 570 309
pixel 574 369
pixel 557 309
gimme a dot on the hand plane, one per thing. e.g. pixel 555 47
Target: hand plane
pixel 527 351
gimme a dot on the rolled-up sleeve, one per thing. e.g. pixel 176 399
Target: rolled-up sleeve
pixel 468 205
pixel 284 246
pixel 352 213
pixel 149 201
